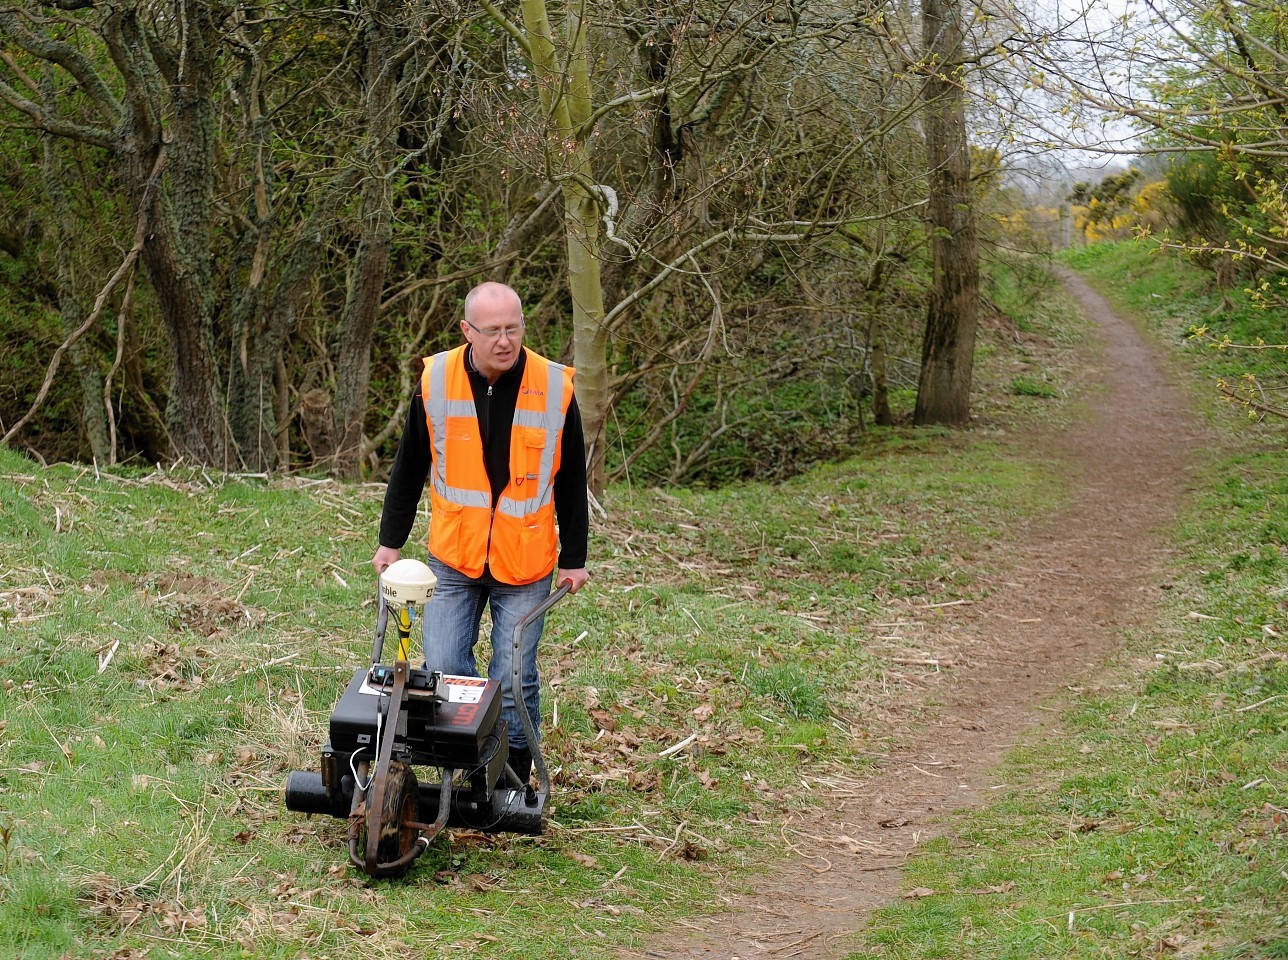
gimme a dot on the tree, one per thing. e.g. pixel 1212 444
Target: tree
pixel 731 167
pixel 1101 208
pixel 95 406
pixel 208 118
pixel 160 135
pixel 560 69
pixel 387 50
pixel 1204 84
pixel 728 201
pixel 948 349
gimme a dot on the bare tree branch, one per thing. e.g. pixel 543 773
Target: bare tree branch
pixel 127 265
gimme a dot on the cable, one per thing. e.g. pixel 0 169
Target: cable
pixel 354 770
pixel 375 747
pixel 480 768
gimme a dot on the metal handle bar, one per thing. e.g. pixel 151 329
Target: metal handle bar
pixel 382 621
pixel 541 608
pixel 516 685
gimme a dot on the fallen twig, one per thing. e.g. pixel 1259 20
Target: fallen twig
pixel 106 658
pixel 676 748
pixel 928 662
pixel 1259 703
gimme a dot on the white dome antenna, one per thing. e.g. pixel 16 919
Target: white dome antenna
pixel 407 582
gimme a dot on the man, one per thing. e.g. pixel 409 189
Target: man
pixel 496 430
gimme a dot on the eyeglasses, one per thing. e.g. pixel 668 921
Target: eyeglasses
pixel 513 332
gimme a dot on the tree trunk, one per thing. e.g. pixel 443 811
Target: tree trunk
pixel 177 252
pixel 94 414
pixel 589 336
pixel 881 413
pixel 362 305
pixel 566 101
pixel 194 420
pixel 948 348
pixel 255 355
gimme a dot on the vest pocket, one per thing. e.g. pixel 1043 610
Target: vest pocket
pixel 445 529
pixel 532 443
pixel 537 546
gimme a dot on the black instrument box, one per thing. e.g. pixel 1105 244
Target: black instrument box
pixel 452 726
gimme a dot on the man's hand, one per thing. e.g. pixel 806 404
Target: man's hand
pixel 577 578
pixel 384 557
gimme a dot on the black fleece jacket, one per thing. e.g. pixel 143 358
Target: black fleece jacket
pixel 495 405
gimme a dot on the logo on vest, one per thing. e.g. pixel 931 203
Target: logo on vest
pixel 532 391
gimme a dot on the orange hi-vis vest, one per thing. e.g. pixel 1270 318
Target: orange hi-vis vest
pixel 515 537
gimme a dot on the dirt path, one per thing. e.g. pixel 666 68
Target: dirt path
pixel 1079 580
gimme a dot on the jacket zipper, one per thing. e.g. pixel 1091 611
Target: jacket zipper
pixel 491 511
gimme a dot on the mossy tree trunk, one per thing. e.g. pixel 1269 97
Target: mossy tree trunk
pixel 377 161
pixel 71 310
pixel 563 81
pixel 168 107
pixel 948 347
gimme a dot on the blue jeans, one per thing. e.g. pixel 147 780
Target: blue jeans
pixel 451 629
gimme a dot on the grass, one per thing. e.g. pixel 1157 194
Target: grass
pixel 174 645
pixel 175 642
pixel 1242 350
pixel 1029 386
pixel 1153 825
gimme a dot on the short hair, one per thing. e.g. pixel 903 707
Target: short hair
pixel 490 288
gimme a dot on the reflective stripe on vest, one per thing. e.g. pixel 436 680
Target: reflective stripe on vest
pixel 518 539
pixel 437 409
pixel 552 424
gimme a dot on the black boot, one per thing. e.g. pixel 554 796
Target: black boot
pixel 521 763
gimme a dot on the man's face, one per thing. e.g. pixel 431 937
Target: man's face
pixel 494 329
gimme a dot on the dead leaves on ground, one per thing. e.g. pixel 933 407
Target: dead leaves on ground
pixel 285 907
pixel 921 893
pixel 645 727
pixel 120 906
pixel 1006 887
pixel 25 604
pixel 194 604
pixel 203 606
pixel 169 666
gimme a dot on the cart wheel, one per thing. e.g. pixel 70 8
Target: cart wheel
pixel 397 813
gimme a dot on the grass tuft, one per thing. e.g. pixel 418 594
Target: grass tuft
pixel 1153 824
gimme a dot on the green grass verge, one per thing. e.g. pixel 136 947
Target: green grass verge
pixel 174 643
pixel 1154 826
pixel 1243 350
